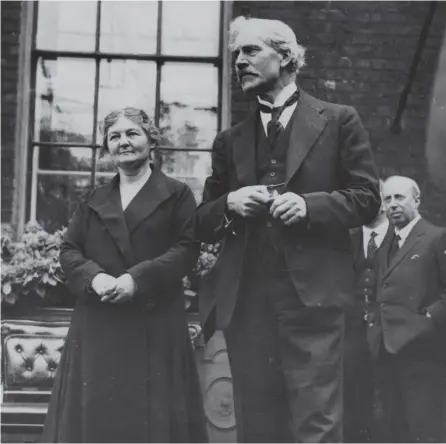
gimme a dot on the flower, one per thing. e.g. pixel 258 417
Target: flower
pixel 30 265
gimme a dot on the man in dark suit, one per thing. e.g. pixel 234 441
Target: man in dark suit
pixel 407 324
pixel 286 186
pixel 358 381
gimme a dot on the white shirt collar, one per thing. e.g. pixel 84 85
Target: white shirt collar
pixel 380 231
pixel 282 97
pixel 405 231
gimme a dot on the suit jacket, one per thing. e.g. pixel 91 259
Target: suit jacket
pixel 330 163
pixel 411 284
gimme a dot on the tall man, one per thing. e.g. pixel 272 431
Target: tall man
pixel 358 378
pixel 407 327
pixel 286 186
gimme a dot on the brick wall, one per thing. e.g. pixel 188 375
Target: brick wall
pixel 10 12
pixel 360 53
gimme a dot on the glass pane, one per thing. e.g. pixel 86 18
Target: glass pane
pixel 129 26
pixel 65 159
pixel 58 197
pixel 126 83
pixel 189 100
pixel 190 167
pixel 64 100
pixel 104 164
pixel 191 28
pixel 66 25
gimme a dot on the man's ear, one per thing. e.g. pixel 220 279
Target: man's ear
pixel 286 58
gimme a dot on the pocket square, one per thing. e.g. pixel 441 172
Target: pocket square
pixel 415 256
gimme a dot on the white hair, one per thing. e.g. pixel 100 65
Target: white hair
pixel 275 34
pixel 415 188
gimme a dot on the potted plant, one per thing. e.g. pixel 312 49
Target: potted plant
pixel 31 274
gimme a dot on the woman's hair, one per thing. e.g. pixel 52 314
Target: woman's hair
pixel 137 116
pixel 275 34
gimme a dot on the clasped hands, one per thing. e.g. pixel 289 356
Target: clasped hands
pixel 253 200
pixel 114 290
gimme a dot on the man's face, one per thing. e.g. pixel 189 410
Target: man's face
pixel 258 66
pixel 400 202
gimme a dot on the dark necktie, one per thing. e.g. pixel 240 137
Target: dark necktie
pixel 274 126
pixel 394 247
pixel 372 248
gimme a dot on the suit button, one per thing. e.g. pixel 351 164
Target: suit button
pixel 367 279
pixel 272 174
pixel 269 224
pixel 385 285
pixel 273 161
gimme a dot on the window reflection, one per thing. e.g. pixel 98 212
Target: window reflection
pixel 190 24
pixel 58 196
pixel 129 26
pixel 64 100
pixel 126 83
pixel 189 167
pixel 66 25
pixel 65 159
pixel 189 99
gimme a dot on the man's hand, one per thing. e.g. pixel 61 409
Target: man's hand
pixel 249 201
pixel 103 284
pixel 289 208
pixel 124 291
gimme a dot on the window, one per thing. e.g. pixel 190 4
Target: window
pixel 90 58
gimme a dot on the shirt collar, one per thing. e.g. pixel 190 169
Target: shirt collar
pixel 283 96
pixel 380 230
pixel 405 231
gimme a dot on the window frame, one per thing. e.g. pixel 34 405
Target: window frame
pixel 25 208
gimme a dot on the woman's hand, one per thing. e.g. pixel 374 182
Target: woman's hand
pixel 103 284
pixel 123 292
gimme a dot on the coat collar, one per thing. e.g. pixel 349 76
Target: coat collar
pixel 414 237
pixel 307 124
pixel 106 202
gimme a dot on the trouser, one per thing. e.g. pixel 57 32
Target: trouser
pixel 286 363
pixel 358 380
pixel 410 394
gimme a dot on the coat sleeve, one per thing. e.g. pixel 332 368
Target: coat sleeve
pixel 438 309
pixel 78 270
pixel 154 276
pixel 212 218
pixel 357 201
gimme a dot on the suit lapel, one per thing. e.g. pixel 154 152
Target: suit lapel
pixel 307 125
pixel 244 150
pixel 106 202
pixel 150 196
pixel 417 232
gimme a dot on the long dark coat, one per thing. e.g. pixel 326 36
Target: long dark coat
pixel 127 372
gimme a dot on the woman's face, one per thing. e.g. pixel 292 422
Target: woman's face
pixel 128 144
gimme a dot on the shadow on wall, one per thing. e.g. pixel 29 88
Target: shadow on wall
pixel 436 132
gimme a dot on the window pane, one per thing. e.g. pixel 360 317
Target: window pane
pixel 191 28
pixel 189 100
pixel 64 100
pixel 129 26
pixel 66 25
pixel 58 197
pixel 65 159
pixel 190 167
pixel 104 164
pixel 126 83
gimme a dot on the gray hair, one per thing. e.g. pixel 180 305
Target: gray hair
pixel 275 34
pixel 416 193
pixel 137 116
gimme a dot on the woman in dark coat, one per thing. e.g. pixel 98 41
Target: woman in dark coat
pixel 127 371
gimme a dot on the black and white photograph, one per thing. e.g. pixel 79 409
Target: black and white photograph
pixel 223 221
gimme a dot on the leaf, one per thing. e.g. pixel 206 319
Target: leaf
pixel 6 288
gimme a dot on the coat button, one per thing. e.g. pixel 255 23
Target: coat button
pixel 273 161
pixel 272 174
pixel 269 224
